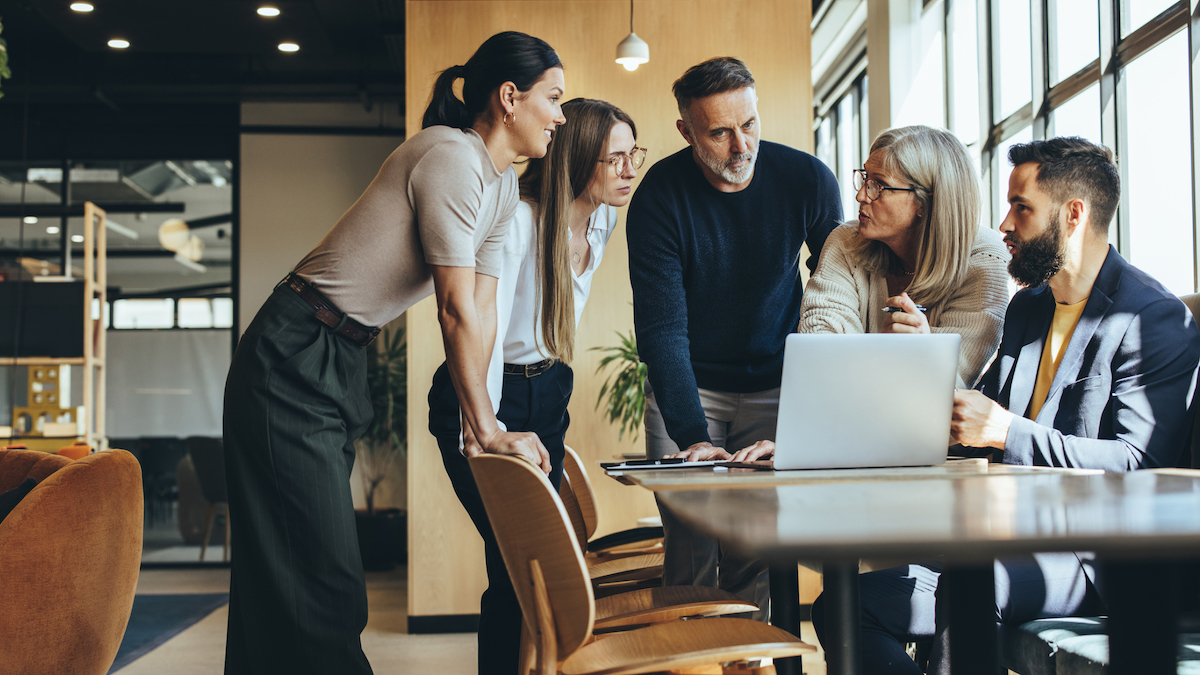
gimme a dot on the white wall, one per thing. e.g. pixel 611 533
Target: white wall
pixel 295 187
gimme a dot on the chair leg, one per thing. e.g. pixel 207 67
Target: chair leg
pixel 208 525
pixel 225 555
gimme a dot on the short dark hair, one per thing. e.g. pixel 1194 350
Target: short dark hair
pixel 1071 167
pixel 714 76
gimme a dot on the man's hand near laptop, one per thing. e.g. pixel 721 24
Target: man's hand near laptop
pixel 700 452
pixel 978 421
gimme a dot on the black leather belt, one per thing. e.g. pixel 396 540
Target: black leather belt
pixel 528 369
pixel 328 314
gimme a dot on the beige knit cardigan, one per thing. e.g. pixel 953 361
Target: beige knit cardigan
pixel 842 297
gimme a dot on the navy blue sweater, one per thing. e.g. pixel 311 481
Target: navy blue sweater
pixel 716 276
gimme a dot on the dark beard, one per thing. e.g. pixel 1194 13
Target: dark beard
pixel 1035 261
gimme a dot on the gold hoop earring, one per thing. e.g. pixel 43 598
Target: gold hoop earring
pixel 508 122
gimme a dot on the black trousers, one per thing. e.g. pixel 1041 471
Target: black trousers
pixel 295 401
pixel 537 404
pixel 903 604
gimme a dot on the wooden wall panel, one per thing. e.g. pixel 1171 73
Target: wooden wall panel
pixel 774 39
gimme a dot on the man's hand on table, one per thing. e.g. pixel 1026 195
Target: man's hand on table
pixel 978 421
pixel 760 450
pixel 700 452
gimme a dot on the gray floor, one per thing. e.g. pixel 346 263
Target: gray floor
pixel 200 650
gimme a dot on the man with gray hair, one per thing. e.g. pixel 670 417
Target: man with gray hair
pixel 715 234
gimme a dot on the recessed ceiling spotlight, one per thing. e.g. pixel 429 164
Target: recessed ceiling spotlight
pixel 118 43
pixel 82 6
pixel 267 10
pixel 77 238
pixel 30 220
pixel 289 47
pixel 53 229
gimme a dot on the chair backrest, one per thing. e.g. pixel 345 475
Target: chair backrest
pixel 582 486
pixel 530 524
pixel 208 458
pixel 570 502
pixel 82 524
pixel 1193 447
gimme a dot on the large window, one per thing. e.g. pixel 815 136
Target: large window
pixel 1114 72
pixel 842 143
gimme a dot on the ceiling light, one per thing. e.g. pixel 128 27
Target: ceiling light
pixel 633 50
pixel 53 229
pixel 30 220
pixel 118 43
pixel 82 6
pixel 289 47
pixel 268 11
pixel 77 238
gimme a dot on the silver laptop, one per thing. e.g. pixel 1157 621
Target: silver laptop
pixel 872 400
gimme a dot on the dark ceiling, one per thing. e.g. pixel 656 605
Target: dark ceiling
pixel 189 64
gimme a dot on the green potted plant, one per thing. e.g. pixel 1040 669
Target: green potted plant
pixel 4 71
pixel 382 535
pixel 623 394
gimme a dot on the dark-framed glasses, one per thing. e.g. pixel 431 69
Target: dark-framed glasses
pixel 873 189
pixel 622 162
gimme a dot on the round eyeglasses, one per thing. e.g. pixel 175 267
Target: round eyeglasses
pixel 622 162
pixel 874 190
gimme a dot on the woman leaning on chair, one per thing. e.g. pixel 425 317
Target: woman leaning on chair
pixel 556 241
pixel 918 241
pixel 432 221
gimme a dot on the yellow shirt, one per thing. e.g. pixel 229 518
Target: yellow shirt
pixel 1061 329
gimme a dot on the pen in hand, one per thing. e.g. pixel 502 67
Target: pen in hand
pixel 890 310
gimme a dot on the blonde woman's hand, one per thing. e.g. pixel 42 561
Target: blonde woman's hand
pixel 910 319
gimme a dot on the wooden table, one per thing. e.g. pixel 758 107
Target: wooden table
pixel 970 518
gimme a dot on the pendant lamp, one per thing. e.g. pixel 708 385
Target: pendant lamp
pixel 633 50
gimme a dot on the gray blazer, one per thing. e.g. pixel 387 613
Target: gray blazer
pixel 1121 397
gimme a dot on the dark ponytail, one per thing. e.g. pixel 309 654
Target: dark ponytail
pixel 504 57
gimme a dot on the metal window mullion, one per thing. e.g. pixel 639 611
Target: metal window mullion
pixel 1109 23
pixel 1194 85
pixel 1037 62
pixel 985 18
pixel 948 67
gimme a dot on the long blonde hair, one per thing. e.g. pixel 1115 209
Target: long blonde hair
pixel 553 183
pixel 934 163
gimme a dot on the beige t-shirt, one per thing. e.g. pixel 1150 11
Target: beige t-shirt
pixel 437 200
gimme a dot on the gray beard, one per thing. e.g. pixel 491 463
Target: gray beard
pixel 720 166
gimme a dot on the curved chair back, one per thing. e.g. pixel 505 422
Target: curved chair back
pixel 581 485
pixel 1191 455
pixel 70 552
pixel 530 524
pixel 570 502
pixel 208 458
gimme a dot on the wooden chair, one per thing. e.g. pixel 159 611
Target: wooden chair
pixel 637 568
pixel 553 586
pixel 633 541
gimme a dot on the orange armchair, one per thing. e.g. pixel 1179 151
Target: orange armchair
pixel 69 558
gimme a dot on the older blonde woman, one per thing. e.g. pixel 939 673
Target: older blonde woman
pixel 917 261
pixel 917 240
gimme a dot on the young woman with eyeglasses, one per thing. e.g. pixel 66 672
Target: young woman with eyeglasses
pixel 556 242
pixel 433 221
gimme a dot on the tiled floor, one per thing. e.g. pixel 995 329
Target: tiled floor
pixel 200 650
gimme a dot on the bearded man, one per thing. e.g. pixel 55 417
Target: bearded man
pixel 1096 370
pixel 715 234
